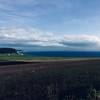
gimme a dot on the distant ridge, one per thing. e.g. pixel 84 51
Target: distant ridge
pixel 8 51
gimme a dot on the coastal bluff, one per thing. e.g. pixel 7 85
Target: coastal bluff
pixel 10 51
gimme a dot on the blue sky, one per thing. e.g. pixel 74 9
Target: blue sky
pixel 50 24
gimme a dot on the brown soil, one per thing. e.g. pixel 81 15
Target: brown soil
pixel 11 67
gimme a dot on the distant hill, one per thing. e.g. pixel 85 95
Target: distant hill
pixel 9 51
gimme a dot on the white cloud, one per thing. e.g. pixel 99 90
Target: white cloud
pixel 28 36
pixel 80 38
pixel 33 37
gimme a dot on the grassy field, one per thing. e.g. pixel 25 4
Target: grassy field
pixel 49 78
pixel 34 58
pixel 58 80
pixel 14 57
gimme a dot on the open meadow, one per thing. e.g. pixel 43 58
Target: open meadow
pixel 50 80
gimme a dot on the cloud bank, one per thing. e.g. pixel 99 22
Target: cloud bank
pixel 33 38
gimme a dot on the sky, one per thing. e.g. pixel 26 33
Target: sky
pixel 39 25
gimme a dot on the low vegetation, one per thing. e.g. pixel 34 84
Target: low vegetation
pixel 51 81
pixel 16 57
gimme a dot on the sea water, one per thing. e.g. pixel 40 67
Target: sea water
pixel 65 53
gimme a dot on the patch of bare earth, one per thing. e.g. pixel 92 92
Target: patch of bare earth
pixel 11 67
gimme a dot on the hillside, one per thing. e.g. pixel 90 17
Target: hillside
pixel 8 51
